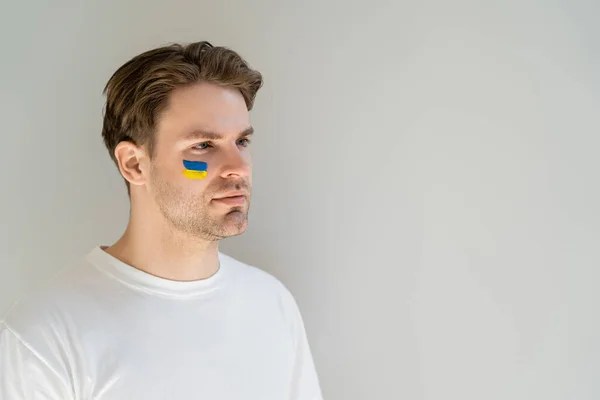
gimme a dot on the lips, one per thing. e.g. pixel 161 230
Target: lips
pixel 232 195
pixel 231 200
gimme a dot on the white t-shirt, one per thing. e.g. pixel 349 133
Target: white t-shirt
pixel 105 330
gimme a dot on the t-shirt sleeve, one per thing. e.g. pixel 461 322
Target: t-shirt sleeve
pixel 23 374
pixel 305 382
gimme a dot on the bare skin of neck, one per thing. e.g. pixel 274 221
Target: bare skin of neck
pixel 152 245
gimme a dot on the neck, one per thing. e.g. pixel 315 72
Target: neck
pixel 153 246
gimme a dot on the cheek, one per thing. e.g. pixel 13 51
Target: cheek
pixel 195 170
pixel 195 175
pixel 193 190
pixel 194 184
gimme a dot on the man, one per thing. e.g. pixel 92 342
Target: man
pixel 161 314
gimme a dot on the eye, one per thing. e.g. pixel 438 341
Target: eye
pixel 202 146
pixel 244 142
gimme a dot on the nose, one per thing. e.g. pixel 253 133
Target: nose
pixel 237 164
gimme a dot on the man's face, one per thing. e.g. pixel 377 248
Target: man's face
pixel 209 124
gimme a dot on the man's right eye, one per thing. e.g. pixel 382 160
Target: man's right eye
pixel 202 146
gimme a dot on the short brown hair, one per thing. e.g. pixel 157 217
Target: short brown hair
pixel 138 91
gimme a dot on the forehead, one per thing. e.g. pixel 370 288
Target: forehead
pixel 204 106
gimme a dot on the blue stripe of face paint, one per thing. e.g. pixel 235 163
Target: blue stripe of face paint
pixel 195 165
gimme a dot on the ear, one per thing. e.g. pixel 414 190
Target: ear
pixel 132 161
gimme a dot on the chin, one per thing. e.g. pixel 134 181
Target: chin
pixel 228 232
pixel 234 223
pixel 234 232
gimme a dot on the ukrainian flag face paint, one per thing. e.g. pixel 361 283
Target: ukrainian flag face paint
pixel 195 169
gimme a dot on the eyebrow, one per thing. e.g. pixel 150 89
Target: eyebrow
pixel 206 135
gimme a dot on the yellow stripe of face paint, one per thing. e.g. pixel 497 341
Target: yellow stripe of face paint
pixel 194 174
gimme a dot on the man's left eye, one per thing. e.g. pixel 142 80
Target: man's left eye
pixel 244 142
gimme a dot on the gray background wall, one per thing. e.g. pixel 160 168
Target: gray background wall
pixel 426 176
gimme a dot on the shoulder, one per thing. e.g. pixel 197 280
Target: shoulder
pixel 251 278
pixel 250 274
pixel 42 314
pixel 30 368
pixel 35 331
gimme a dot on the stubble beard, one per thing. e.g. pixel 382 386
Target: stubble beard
pixel 193 215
